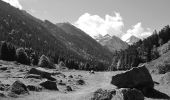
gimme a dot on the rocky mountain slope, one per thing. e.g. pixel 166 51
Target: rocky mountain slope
pixel 22 29
pixel 133 39
pixel 113 43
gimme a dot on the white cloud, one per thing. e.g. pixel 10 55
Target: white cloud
pixel 14 3
pixel 138 31
pixel 95 25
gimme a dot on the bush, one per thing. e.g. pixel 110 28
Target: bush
pixel 45 62
pixel 22 56
pixel 34 58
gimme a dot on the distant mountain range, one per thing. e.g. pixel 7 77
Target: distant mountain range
pixel 113 43
pixel 133 39
pixel 63 39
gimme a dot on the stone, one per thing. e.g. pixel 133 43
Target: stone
pixel 139 78
pixel 80 82
pixel 19 88
pixel 50 85
pixel 34 88
pixel 118 94
pixel 43 73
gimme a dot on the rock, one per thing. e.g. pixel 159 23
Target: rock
pixel 61 83
pixel 4 68
pixel 139 78
pixel 70 76
pixel 101 94
pixel 68 88
pixel 80 82
pixel 2 87
pixel 19 88
pixel 33 76
pixel 165 79
pixel 128 94
pixel 43 73
pixel 120 94
pixel 2 94
pixel 34 88
pixel 49 85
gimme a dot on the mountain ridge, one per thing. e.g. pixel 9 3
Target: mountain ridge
pixel 113 43
pixel 46 37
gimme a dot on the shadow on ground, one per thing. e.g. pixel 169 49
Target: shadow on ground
pixel 155 94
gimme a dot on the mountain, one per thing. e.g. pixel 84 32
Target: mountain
pixel 113 43
pixel 57 41
pixel 133 39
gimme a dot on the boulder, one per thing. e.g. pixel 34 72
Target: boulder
pixel 19 88
pixel 139 78
pixel 165 79
pixel 70 76
pixel 2 87
pixel 50 85
pixel 80 82
pixel 2 94
pixel 68 88
pixel 120 94
pixel 101 94
pixel 43 73
pixel 4 68
pixel 128 94
pixel 34 88
pixel 33 76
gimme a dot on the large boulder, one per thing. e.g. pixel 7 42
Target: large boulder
pixel 43 73
pixel 120 94
pixel 50 85
pixel 165 79
pixel 19 88
pixel 139 78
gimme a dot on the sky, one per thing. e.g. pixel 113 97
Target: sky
pixel 122 18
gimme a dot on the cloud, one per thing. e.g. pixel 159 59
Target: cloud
pixel 14 3
pixel 95 25
pixel 138 31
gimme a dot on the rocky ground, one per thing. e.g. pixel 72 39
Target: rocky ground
pixel 66 84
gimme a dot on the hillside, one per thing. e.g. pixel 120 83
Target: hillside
pixel 23 30
pixel 144 51
pixel 84 42
pixel 113 43
pixel 161 65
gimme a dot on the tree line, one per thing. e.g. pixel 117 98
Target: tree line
pixel 141 52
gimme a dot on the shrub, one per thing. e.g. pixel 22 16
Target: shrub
pixel 22 56
pixel 45 62
pixel 34 58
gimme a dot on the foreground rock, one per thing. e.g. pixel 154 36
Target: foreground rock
pixel 43 73
pixel 19 88
pixel 49 85
pixel 34 88
pixel 121 94
pixel 165 80
pixel 139 78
